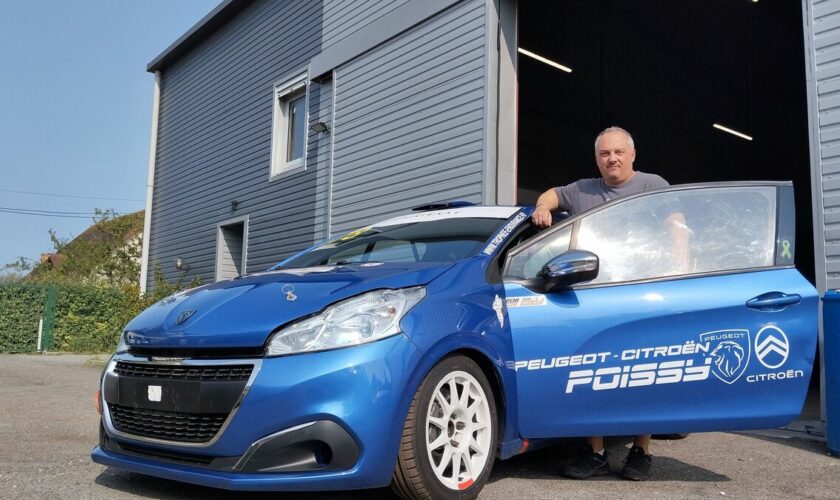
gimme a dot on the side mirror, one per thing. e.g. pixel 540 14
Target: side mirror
pixel 574 266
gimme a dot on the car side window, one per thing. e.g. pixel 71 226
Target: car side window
pixel 682 232
pixel 528 263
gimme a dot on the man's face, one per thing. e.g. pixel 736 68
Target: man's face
pixel 615 158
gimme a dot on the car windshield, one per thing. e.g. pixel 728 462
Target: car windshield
pixel 403 240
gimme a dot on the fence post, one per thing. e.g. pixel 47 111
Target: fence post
pixel 49 316
pixel 40 334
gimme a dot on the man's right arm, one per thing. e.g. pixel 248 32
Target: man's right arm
pixel 546 203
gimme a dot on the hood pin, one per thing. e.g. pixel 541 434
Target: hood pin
pixel 289 290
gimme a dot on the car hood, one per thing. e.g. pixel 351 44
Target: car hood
pixel 242 312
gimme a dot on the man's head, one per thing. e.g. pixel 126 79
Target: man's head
pixel 614 154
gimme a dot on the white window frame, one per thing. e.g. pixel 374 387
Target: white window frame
pixel 284 92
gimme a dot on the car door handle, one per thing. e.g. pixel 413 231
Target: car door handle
pixel 773 301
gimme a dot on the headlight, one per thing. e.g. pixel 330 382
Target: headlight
pixel 122 346
pixel 358 320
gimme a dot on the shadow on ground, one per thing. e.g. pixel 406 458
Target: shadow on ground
pixel 542 464
pixel 788 439
pixel 547 464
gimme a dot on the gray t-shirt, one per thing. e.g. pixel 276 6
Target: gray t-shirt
pixel 587 193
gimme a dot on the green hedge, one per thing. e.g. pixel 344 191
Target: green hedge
pixel 21 307
pixel 86 318
pixel 90 318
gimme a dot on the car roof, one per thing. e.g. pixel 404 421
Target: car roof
pixel 479 211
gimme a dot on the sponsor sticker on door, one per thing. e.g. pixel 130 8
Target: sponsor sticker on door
pixel 726 354
pixel 730 353
pixel 772 347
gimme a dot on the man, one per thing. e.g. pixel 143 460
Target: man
pixel 614 154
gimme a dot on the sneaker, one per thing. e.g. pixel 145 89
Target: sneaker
pixel 587 464
pixel 636 465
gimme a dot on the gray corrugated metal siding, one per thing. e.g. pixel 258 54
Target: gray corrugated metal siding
pixel 214 141
pixel 826 59
pixel 408 130
pixel 342 18
pixel 409 118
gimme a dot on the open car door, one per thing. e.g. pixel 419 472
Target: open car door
pixel 697 319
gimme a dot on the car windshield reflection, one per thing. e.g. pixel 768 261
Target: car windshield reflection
pixel 444 240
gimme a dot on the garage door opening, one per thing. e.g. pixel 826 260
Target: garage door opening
pixel 712 90
pixel 667 72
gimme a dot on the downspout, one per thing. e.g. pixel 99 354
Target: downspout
pixel 507 110
pixel 150 185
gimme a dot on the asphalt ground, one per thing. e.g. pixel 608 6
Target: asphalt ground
pixel 48 426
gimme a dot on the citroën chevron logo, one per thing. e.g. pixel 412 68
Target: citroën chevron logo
pixel 772 347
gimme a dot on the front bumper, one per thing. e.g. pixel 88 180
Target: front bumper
pixel 328 420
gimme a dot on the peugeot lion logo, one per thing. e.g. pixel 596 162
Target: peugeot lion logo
pixel 730 353
pixel 772 347
pixel 184 316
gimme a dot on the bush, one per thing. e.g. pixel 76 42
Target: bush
pixel 21 307
pixel 90 318
pixel 84 317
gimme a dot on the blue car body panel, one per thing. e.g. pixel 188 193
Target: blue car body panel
pixel 672 355
pixel 460 302
pixel 239 313
pixel 347 386
pixel 640 390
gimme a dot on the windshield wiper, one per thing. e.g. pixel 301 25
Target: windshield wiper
pixel 348 262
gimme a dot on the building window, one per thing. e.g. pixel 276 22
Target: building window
pixel 288 138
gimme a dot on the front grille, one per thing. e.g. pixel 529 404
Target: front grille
pixel 171 426
pixel 182 372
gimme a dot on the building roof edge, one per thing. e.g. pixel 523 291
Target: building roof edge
pixel 220 15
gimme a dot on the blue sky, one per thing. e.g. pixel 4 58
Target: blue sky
pixel 75 109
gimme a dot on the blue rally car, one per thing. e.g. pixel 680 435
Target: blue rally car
pixel 417 350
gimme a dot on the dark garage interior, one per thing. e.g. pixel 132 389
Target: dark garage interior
pixel 667 71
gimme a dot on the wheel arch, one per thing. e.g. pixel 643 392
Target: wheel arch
pixel 476 348
pixel 412 467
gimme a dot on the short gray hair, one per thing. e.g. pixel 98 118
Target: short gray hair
pixel 616 129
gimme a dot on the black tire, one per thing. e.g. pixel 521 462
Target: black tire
pixel 414 475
